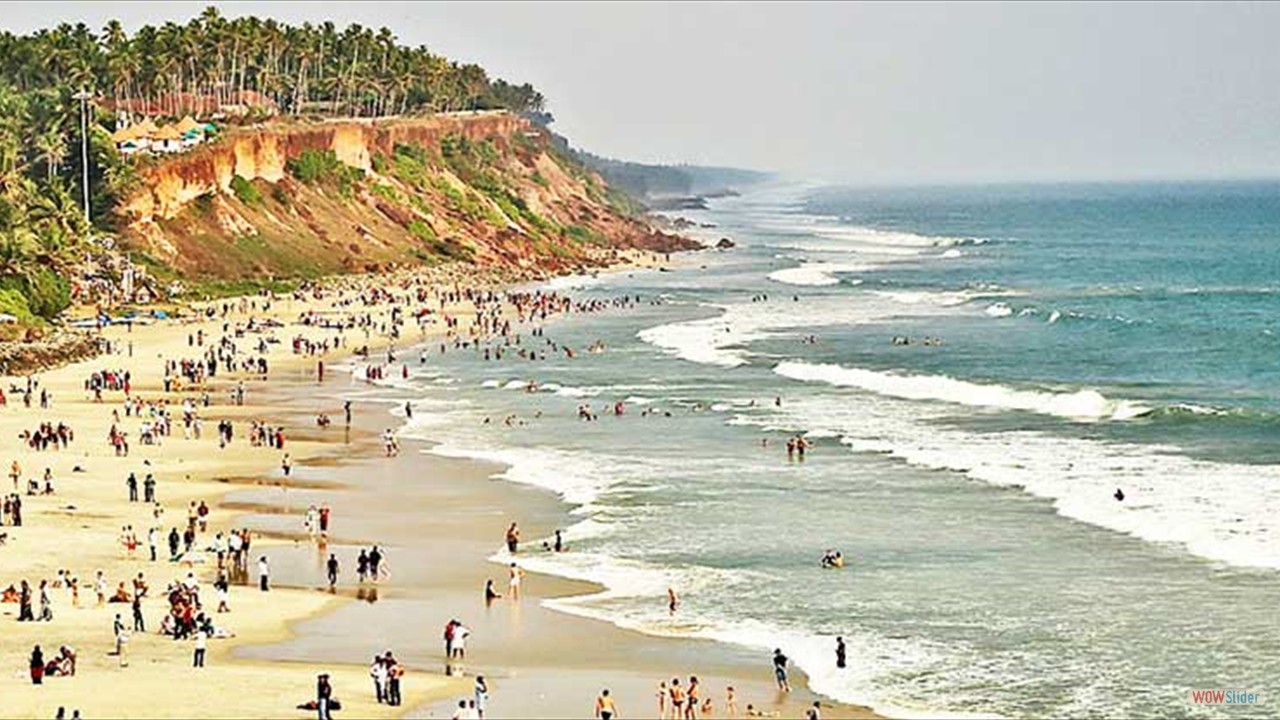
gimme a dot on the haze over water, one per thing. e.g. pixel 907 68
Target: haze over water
pixel 1093 338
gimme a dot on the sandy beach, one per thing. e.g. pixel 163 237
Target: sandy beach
pixel 438 520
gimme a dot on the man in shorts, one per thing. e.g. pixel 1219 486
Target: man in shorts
pixel 780 670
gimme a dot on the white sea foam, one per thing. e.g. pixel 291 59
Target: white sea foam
pixel 816 274
pixel 941 298
pixel 1081 405
pixel 879 658
pixel 999 310
pixel 720 340
pixel 1220 511
pixel 575 476
pixel 570 282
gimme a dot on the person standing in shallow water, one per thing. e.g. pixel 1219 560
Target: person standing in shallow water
pixel 840 653
pixel 513 539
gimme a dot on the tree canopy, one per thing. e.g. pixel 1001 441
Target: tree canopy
pixel 298 68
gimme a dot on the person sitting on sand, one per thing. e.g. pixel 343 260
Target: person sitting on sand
pixel 121 595
pixel 64 664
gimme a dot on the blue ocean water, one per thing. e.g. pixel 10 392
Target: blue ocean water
pixel 1063 342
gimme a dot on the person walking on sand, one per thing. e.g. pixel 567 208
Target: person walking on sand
pixel 332 566
pixel 37 666
pixel 780 670
pixel 375 559
pixel 139 624
pixel 395 671
pixel 449 629
pixel 202 642
pixel 324 693
pixel 730 702
pixel 264 572
pixel 122 642
pixel 605 709
pixel 662 700
pixel 378 671
pixel 482 695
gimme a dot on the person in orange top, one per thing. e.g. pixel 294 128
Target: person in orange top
pixel 677 699
pixel 605 709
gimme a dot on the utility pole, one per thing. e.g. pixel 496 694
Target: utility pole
pixel 83 96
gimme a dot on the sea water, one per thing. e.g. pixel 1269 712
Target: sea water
pixel 1082 340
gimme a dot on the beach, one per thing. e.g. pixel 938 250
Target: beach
pixel 83 525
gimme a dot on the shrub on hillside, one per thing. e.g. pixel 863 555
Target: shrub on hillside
pixel 245 192
pixel 316 167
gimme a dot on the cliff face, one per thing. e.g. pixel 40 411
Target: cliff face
pixel 485 187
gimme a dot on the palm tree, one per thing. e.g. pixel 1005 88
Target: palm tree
pixel 52 144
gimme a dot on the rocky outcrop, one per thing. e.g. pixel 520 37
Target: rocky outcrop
pixel 19 358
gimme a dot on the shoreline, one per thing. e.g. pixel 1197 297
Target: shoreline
pixel 212 475
pixel 750 674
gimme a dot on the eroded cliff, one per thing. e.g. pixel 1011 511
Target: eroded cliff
pixel 308 199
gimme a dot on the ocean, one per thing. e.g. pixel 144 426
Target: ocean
pixel 1064 342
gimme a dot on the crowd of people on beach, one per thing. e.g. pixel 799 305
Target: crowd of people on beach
pixel 198 596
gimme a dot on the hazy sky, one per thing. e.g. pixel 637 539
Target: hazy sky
pixel 901 92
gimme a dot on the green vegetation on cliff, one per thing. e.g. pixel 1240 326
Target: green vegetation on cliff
pixel 213 62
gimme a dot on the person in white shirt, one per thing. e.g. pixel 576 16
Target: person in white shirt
pixel 378 671
pixel 202 641
pixel 263 573
pixel 460 634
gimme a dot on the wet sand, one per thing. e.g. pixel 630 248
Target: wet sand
pixel 439 520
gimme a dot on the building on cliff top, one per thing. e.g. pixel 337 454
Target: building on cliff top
pixel 146 137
